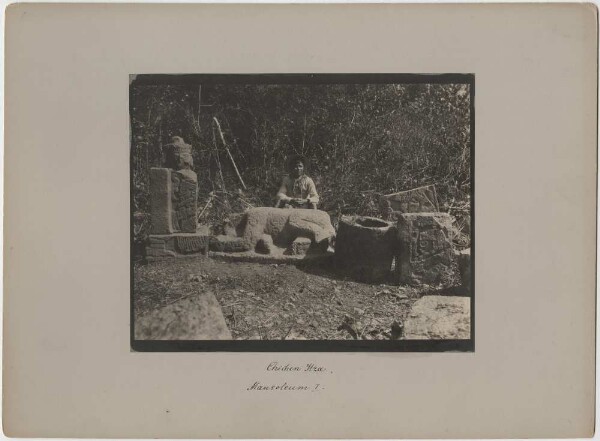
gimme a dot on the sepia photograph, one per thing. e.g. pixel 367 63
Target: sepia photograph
pixel 250 213
pixel 302 212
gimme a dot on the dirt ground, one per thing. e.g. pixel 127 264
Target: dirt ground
pixel 279 301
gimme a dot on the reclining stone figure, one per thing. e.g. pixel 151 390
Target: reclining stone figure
pixel 282 227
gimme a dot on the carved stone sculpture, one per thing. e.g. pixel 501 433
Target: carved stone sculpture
pixel 174 193
pixel 425 250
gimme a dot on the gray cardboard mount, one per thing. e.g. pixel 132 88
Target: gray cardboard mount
pixel 68 368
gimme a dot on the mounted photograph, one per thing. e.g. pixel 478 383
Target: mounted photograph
pixel 308 212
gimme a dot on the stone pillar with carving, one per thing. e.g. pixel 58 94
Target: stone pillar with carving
pixel 425 253
pixel 184 188
pixel 173 201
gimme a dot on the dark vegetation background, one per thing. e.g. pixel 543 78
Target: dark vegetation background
pixel 360 141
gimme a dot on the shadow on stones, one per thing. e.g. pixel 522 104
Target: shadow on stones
pixel 326 268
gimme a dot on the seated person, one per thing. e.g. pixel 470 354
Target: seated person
pixel 297 189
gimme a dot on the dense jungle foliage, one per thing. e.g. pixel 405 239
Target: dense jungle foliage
pixel 360 141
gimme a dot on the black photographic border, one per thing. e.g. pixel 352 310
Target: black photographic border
pixel 305 345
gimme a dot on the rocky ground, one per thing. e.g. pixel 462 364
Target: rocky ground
pixel 279 301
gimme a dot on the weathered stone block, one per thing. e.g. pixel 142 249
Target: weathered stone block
pixel 264 245
pixel 193 318
pixel 160 200
pixel 425 252
pixel 192 244
pixel 365 247
pixel 439 318
pixel 229 244
pixel 169 245
pixel 299 246
pixel 185 200
pixel 418 200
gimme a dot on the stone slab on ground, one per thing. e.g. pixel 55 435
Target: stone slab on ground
pixel 192 244
pixel 439 318
pixel 277 256
pixel 229 244
pixel 172 245
pixel 193 318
